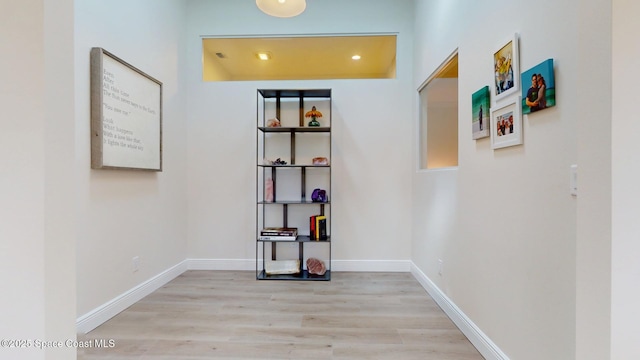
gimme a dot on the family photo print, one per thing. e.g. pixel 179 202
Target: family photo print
pixel 505 65
pixel 506 125
pixel 541 92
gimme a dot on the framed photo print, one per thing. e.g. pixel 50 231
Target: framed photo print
pixel 480 107
pixel 506 124
pixel 506 70
pixel 541 90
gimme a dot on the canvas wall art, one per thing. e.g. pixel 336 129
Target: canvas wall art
pixel 480 107
pixel 541 92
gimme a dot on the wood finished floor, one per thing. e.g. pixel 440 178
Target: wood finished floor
pixel 230 315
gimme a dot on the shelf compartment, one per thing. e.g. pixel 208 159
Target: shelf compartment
pixel 304 275
pixel 296 129
pixel 294 166
pixel 293 202
pixel 295 93
pixel 299 239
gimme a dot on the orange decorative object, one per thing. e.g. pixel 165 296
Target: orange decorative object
pixel 313 114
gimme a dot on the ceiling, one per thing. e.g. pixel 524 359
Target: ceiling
pixel 299 58
pixel 450 69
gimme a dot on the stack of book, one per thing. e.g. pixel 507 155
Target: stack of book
pixel 278 234
pixel 318 227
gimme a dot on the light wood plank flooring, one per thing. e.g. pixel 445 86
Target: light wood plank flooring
pixel 230 315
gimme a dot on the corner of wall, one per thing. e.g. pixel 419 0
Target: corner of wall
pixel 476 336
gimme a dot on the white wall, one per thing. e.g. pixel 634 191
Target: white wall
pixel 593 250
pixel 625 292
pixel 23 214
pixel 60 209
pixel 371 195
pixel 36 236
pixel 503 222
pixel 122 214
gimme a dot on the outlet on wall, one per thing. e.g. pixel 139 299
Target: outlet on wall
pixel 440 267
pixel 573 180
pixel 135 262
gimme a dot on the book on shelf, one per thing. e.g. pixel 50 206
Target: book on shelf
pixel 318 227
pixel 312 227
pixel 279 231
pixel 321 227
pixel 278 237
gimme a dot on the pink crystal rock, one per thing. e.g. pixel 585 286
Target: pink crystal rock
pixel 316 266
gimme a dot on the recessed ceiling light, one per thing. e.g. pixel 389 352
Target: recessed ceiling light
pixel 356 57
pixel 264 55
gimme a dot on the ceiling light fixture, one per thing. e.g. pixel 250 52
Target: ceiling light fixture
pixel 282 8
pixel 356 57
pixel 264 55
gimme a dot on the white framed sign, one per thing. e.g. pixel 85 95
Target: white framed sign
pixel 126 115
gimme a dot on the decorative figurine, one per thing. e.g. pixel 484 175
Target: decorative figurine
pixel 273 122
pixel 313 114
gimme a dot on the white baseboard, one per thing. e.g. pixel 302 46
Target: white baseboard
pixel 480 340
pixel 101 314
pixel 221 264
pixel 336 265
pixel 371 265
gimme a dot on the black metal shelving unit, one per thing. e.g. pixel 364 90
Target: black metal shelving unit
pixel 289 106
